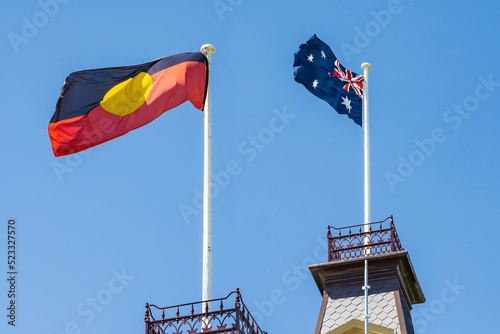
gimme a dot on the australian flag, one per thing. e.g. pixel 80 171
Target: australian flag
pixel 317 68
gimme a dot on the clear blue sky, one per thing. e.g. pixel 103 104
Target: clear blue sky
pixel 434 103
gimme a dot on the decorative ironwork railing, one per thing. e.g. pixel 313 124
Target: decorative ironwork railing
pixel 193 318
pixel 377 240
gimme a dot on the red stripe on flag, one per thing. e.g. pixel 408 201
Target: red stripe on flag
pixel 171 87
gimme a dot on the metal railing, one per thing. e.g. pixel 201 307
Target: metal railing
pixel 193 318
pixel 350 244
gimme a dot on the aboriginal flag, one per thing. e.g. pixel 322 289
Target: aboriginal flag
pixel 98 105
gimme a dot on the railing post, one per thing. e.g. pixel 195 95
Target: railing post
pixel 146 318
pixel 329 239
pixel 392 238
pixel 237 307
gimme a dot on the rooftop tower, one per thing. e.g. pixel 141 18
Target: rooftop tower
pixel 394 286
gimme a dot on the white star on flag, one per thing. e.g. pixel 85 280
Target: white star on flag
pixel 315 83
pixel 310 58
pixel 323 54
pixel 347 103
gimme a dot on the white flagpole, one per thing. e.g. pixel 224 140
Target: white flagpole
pixel 208 50
pixel 366 133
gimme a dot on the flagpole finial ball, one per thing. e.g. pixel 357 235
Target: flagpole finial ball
pixel 366 66
pixel 207 49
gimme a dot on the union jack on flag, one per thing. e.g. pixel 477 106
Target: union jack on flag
pixel 356 83
pixel 317 68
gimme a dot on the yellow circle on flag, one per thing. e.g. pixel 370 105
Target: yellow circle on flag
pixel 128 96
